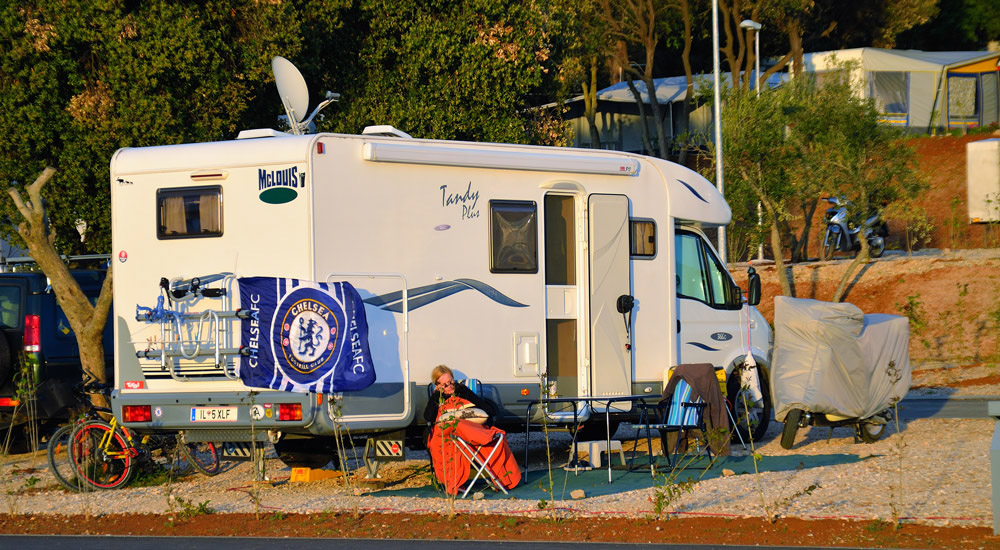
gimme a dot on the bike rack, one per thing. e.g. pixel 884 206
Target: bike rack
pixel 192 335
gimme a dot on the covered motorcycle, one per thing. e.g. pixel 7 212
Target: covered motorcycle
pixel 836 366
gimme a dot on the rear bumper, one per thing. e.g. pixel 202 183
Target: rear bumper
pixel 247 413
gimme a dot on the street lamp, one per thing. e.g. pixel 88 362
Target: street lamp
pixel 755 26
pixel 717 112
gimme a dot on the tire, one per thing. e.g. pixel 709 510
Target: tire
pixel 869 432
pixel 204 456
pixel 101 468
pixel 306 452
pixel 60 462
pixel 6 360
pixel 165 452
pixel 752 425
pixel 829 247
pixel 791 426
pixel 876 252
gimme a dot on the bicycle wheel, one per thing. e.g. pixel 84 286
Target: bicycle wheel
pixel 109 467
pixel 60 463
pixel 166 453
pixel 204 456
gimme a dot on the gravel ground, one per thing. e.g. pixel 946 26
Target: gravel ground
pixel 944 478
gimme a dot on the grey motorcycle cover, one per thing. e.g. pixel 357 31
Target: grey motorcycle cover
pixel 831 358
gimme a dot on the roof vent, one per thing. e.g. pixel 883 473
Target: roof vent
pixel 261 133
pixel 384 130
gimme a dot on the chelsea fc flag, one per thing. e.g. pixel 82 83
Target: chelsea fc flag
pixel 304 336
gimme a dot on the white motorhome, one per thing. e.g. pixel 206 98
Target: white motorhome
pixel 505 262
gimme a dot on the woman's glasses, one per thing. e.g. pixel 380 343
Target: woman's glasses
pixel 445 384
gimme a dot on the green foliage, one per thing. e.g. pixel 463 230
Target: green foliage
pixel 913 309
pixel 188 509
pixel 918 228
pixel 81 79
pixel 449 69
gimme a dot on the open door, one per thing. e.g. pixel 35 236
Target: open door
pixel 610 277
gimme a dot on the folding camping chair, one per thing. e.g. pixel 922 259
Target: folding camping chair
pixel 683 413
pixel 469 440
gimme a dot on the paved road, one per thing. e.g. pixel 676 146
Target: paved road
pixel 41 542
pixel 941 407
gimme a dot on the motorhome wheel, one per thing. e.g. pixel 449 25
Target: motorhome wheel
pixel 747 413
pixel 791 426
pixel 869 432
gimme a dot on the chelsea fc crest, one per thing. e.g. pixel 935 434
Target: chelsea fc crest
pixel 309 332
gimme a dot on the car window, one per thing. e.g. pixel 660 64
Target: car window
pixel 10 306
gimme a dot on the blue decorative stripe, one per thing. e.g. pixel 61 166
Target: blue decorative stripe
pixel 691 189
pixel 702 346
pixel 423 295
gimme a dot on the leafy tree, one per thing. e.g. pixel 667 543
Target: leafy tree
pixel 449 69
pixel 81 79
pixel 961 24
pixel 789 144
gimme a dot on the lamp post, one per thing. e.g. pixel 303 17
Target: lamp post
pixel 717 112
pixel 755 26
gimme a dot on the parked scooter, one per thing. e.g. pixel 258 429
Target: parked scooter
pixel 842 234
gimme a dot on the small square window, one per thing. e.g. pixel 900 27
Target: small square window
pixel 513 237
pixel 643 238
pixel 189 212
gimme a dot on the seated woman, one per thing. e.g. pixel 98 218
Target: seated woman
pixel 446 387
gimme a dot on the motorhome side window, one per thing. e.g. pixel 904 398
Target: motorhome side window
pixel 642 236
pixel 189 212
pixel 699 274
pixel 513 237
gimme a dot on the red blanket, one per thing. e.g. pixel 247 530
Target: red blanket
pixel 451 466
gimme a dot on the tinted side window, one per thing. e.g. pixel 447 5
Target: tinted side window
pixel 189 212
pixel 10 306
pixel 513 237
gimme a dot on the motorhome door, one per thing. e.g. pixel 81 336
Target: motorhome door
pixel 610 277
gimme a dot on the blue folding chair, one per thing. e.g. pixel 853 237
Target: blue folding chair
pixel 683 413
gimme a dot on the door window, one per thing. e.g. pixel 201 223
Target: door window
pixel 700 275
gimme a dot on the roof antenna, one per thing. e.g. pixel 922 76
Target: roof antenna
pixel 295 95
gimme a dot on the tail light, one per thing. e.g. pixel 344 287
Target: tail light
pixel 289 411
pixel 32 333
pixel 136 413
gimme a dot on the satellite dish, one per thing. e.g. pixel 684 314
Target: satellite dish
pixel 291 87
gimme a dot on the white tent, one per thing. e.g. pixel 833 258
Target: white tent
pixel 922 90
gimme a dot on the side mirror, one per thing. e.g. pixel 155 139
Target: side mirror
pixel 753 287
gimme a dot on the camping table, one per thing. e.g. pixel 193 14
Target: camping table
pixel 575 401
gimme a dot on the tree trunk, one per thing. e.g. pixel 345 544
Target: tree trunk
pixel 590 105
pixel 661 133
pixel 87 321
pixel 808 211
pixel 643 124
pixel 688 76
pixel 861 258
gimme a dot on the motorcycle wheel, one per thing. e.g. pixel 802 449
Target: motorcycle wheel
pixel 869 432
pixel 876 252
pixel 791 426
pixel 829 247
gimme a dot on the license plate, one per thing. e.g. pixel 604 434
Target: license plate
pixel 213 414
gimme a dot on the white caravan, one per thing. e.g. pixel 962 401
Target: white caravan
pixel 504 262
